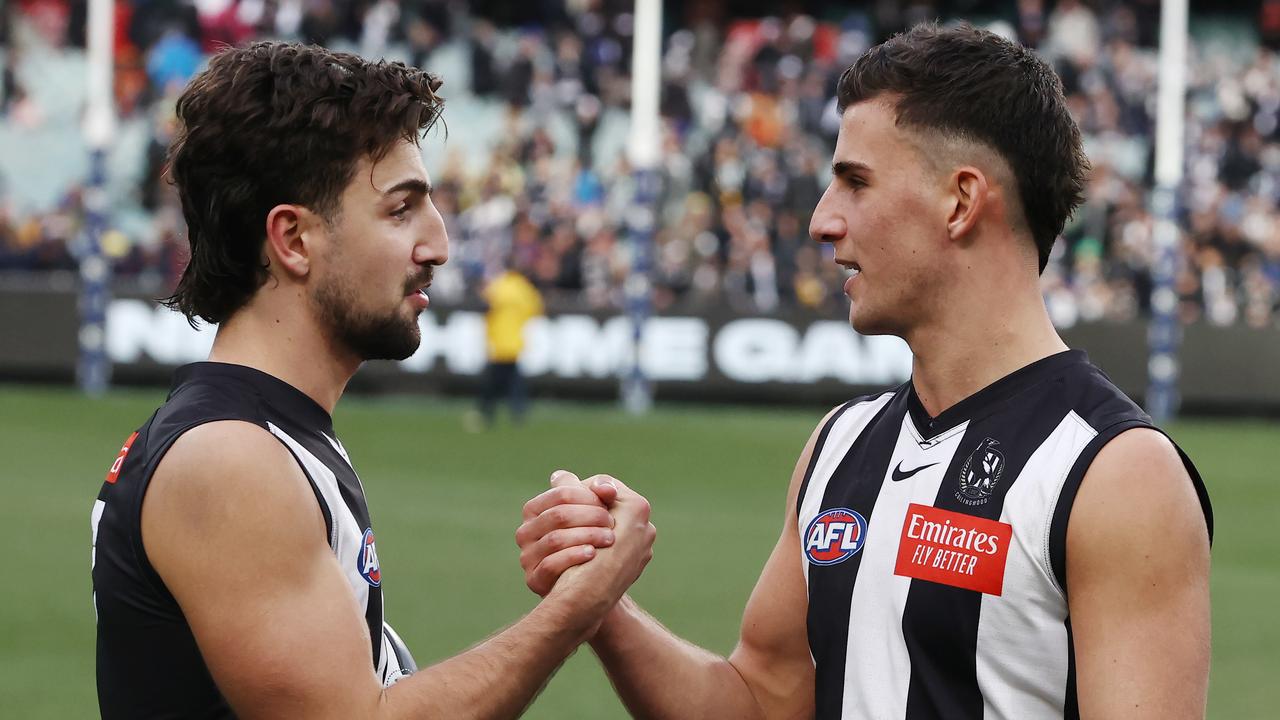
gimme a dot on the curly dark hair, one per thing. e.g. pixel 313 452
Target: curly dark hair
pixel 276 123
pixel 976 85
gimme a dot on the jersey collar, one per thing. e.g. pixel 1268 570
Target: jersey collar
pixel 991 397
pixel 276 392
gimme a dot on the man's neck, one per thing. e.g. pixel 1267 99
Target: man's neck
pixel 288 346
pixel 978 340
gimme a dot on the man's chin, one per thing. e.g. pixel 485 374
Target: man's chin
pixel 411 342
pixel 412 346
pixel 866 323
pixel 392 342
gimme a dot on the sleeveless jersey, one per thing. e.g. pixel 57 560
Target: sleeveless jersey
pixel 934 548
pixel 148 663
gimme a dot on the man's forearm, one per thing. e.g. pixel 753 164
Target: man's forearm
pixel 662 677
pixel 496 679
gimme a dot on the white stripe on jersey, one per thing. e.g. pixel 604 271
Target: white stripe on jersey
pixel 876 681
pixel 389 670
pixel 346 537
pixel 1021 679
pixel 847 427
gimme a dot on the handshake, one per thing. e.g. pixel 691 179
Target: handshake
pixel 585 542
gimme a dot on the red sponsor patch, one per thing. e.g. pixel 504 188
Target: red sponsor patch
pixel 114 473
pixel 953 549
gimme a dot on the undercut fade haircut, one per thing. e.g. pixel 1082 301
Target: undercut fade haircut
pixel 975 85
pixel 278 123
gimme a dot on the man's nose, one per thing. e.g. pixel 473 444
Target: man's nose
pixel 433 246
pixel 826 225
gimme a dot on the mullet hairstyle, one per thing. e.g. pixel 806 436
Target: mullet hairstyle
pixel 975 85
pixel 274 123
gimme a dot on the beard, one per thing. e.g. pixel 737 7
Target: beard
pixel 389 335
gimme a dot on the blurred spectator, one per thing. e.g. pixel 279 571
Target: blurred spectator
pixel 10 94
pixel 512 302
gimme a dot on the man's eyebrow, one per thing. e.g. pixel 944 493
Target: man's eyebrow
pixel 846 167
pixel 413 185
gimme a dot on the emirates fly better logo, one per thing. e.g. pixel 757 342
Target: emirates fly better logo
pixel 835 536
pixel 953 549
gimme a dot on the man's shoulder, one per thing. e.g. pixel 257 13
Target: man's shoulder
pixel 229 455
pixel 1138 485
pixel 225 478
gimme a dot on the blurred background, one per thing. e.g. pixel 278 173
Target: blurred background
pixel 742 313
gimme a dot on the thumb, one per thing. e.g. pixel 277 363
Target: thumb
pixel 560 478
pixel 605 487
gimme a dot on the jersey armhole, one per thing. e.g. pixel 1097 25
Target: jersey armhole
pixel 330 533
pixel 1057 546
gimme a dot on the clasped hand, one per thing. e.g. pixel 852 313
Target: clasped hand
pixel 599 520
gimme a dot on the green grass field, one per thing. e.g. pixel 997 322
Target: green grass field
pixel 446 504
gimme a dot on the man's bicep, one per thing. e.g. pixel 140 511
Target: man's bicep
pixel 1138 583
pixel 773 652
pixel 238 539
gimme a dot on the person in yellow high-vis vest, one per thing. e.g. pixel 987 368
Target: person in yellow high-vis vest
pixel 513 301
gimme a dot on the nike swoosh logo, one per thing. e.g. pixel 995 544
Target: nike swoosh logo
pixel 899 474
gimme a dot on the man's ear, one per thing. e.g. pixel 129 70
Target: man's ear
pixel 968 190
pixel 288 246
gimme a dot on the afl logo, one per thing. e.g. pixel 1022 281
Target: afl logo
pixel 367 560
pixel 835 536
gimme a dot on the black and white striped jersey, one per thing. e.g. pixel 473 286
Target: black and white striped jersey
pixel 934 548
pixel 148 663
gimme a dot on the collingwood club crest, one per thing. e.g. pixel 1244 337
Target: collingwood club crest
pixel 980 473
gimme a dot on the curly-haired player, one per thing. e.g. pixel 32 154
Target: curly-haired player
pixel 235 565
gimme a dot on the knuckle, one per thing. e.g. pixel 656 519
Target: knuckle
pixel 555 515
pixel 553 540
pixel 551 567
pixel 555 567
pixel 539 575
pixel 562 515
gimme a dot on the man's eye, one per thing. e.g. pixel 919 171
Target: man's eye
pixel 400 212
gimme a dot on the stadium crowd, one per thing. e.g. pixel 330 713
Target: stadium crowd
pixel 749 126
